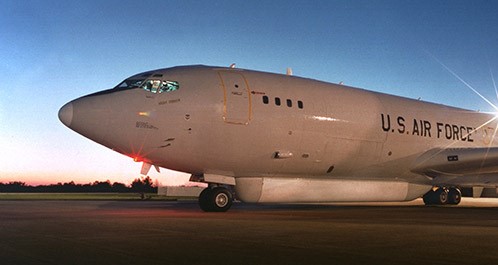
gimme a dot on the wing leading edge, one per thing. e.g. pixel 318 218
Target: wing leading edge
pixel 475 168
pixel 439 162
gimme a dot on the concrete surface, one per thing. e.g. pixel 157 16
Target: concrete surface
pixel 159 232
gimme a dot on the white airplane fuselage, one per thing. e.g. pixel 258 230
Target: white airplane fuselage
pixel 279 138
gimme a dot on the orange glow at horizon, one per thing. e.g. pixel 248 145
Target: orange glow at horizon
pixel 167 178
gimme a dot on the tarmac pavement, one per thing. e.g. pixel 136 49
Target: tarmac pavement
pixel 161 232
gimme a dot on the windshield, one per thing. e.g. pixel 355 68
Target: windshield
pixel 130 83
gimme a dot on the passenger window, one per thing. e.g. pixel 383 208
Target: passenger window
pixel 265 99
pixel 300 104
pixel 277 101
pixel 289 103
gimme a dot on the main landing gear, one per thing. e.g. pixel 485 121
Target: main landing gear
pixel 442 196
pixel 215 199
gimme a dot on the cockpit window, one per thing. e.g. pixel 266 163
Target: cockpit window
pixel 151 85
pixel 160 86
pixel 169 86
pixel 130 83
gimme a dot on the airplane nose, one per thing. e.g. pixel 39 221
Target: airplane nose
pixel 66 114
pixel 88 115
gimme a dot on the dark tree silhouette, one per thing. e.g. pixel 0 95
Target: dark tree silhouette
pixel 102 186
pixel 143 185
pixel 140 185
pixel 13 186
pixel 119 187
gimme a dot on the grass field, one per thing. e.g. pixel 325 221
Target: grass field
pixel 88 196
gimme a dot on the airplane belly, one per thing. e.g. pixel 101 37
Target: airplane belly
pixel 303 190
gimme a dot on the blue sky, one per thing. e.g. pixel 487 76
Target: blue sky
pixel 54 51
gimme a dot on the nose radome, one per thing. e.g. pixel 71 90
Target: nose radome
pixel 66 114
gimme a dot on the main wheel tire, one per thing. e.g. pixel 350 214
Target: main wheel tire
pixel 221 199
pixel 441 196
pixel 429 198
pixel 205 200
pixel 454 196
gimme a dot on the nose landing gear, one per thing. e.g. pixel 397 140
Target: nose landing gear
pixel 216 199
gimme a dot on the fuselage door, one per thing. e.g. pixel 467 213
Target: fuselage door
pixel 237 98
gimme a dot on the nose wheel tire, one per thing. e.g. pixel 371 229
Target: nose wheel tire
pixel 218 199
pixel 204 200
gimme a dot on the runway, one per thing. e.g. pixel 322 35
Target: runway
pixel 160 232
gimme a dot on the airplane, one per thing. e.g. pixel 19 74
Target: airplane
pixel 277 138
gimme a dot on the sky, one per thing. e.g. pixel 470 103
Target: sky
pixel 52 52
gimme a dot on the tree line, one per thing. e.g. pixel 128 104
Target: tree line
pixel 140 185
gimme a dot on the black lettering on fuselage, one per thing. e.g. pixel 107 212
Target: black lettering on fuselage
pixel 386 126
pixel 424 128
pixel 427 129
pixel 469 134
pixel 447 130
pixel 401 124
pixel 439 129
pixel 455 132
pixel 415 130
pixel 463 133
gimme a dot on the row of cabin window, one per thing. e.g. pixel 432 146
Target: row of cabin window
pixel 266 100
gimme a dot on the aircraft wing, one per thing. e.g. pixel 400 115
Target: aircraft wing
pixel 439 162
pixel 475 168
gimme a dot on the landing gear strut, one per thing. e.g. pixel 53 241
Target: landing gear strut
pixel 215 199
pixel 442 196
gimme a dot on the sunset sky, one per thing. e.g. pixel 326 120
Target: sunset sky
pixel 54 51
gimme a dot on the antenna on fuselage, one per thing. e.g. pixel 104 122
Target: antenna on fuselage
pixel 289 71
pixel 232 65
